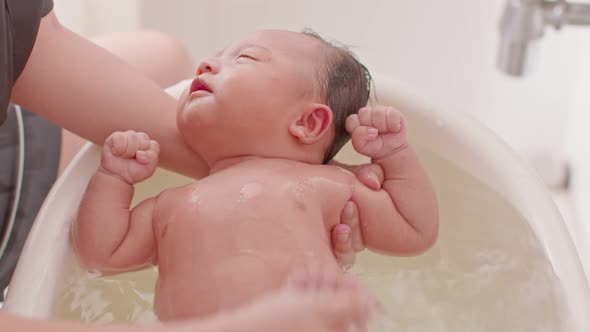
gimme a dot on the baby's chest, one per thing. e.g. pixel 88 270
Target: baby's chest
pixel 262 203
pixel 263 193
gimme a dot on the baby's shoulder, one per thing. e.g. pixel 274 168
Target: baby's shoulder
pixel 333 172
pixel 174 195
pixel 327 177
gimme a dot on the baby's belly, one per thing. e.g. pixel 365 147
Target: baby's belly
pixel 214 266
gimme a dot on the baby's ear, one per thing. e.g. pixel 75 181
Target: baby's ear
pixel 312 124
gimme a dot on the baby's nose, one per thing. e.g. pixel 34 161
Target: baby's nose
pixel 207 66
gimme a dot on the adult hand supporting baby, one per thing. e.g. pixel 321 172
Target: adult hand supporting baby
pixel 371 175
pixel 347 239
pixel 318 301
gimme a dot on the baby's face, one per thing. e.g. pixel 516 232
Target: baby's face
pixel 246 95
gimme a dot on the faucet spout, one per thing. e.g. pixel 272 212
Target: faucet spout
pixel 522 26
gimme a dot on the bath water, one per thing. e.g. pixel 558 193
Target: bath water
pixel 488 272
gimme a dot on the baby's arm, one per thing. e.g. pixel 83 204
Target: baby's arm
pixel 107 235
pixel 401 218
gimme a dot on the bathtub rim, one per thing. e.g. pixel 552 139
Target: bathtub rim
pixel 498 167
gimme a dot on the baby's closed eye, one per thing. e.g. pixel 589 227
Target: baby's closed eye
pixel 247 56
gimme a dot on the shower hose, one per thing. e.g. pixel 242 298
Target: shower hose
pixel 19 181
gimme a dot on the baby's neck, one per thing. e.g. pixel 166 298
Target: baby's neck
pixel 227 162
pixel 224 163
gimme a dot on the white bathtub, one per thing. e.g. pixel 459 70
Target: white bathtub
pixel 504 260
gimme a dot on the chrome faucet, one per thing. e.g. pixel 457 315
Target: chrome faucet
pixel 522 26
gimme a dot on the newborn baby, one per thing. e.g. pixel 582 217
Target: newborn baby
pixel 266 113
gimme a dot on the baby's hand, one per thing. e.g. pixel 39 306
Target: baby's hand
pixel 132 156
pixel 377 132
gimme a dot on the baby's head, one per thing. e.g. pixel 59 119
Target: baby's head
pixel 276 94
pixel 344 85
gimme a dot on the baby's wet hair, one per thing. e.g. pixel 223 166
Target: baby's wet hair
pixel 345 85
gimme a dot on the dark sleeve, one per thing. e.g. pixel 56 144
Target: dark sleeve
pixel 19 24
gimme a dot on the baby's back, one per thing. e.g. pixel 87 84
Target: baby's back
pixel 240 232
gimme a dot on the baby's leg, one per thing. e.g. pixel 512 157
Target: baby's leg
pixel 161 57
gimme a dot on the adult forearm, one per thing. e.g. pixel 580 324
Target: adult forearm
pixel 13 323
pixel 89 91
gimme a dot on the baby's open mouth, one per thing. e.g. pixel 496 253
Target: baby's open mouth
pixel 199 85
